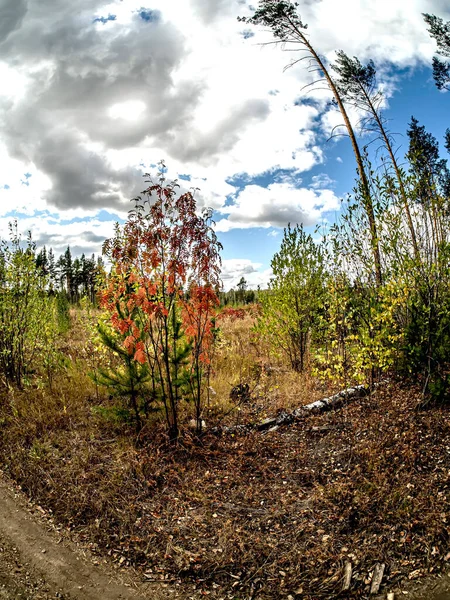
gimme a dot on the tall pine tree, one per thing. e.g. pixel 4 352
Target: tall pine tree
pixel 430 171
pixel 440 31
pixel 282 18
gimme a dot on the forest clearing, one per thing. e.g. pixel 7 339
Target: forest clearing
pixel 241 514
pixel 190 440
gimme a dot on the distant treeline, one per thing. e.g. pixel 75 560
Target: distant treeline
pixel 240 295
pixel 77 277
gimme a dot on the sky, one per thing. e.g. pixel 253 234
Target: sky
pixel 94 94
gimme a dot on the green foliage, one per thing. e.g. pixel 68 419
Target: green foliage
pixel 238 297
pixel 404 324
pixel 26 312
pixel 385 303
pixel 63 312
pixel 127 379
pixel 280 15
pixel 294 299
pixel 426 349
pixel 430 172
pixel 440 31
pixel 357 83
pixel 51 359
pixel 75 277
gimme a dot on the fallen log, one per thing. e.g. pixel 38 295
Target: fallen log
pixel 335 401
pixel 286 418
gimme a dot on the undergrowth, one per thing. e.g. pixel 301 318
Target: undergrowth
pixel 250 516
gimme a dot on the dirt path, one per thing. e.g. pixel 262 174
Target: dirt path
pixel 37 565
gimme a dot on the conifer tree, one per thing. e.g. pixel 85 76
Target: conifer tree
pixel 429 169
pixel 357 85
pixel 65 271
pixel 51 269
pixel 447 140
pixel 42 261
pixel 440 31
pixel 242 287
pixel 130 380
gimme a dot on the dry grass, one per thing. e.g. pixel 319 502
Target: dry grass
pixel 254 516
pixel 244 357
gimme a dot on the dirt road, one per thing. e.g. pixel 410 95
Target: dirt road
pixel 36 564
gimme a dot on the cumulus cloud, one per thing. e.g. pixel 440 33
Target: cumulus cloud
pixel 93 88
pixel 208 10
pixel 81 236
pixel 321 181
pixel 235 268
pixel 276 206
pixel 205 147
pixel 69 94
pixel 391 32
pixel 11 16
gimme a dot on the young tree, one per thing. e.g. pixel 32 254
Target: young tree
pixel 440 31
pixel 161 293
pixel 130 379
pixel 293 301
pixel 24 307
pixel 282 18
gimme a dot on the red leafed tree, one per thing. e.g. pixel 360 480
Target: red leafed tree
pixel 161 293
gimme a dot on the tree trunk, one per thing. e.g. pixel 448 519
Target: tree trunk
pixel 367 199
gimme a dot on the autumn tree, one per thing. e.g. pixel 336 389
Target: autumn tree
pixel 162 293
pixel 440 32
pixel 287 27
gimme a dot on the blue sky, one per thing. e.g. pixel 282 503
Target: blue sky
pixel 95 93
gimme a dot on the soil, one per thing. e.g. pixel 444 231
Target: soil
pixel 369 482
pixel 37 564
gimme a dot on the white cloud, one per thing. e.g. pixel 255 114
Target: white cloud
pixel 54 232
pixel 321 181
pixel 84 103
pixel 235 268
pixel 276 206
